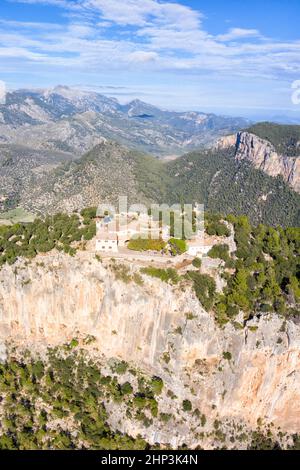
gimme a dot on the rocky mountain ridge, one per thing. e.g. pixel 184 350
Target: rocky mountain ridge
pixel 262 155
pixel 81 118
pixel 230 375
pixel 281 158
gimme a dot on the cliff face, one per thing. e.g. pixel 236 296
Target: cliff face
pixel 225 142
pixel 162 330
pixel 264 157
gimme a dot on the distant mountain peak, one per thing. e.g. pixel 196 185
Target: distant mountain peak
pixel 65 91
pixel 73 120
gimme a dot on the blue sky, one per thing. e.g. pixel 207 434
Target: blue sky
pixel 233 57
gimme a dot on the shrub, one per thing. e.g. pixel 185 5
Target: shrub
pixel 187 405
pixel 165 275
pixel 120 367
pixel 156 385
pixel 197 263
pixel 203 420
pixel 89 213
pixel 190 316
pixel 177 246
pixel 140 244
pixel 126 388
pixel 137 278
pixel 166 357
pixel 74 343
pixel 227 355
pixel 205 288
pixel 219 251
pixel 165 417
pixel 217 228
pixel 122 272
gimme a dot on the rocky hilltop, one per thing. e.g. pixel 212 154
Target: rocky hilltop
pixel 262 155
pixel 231 375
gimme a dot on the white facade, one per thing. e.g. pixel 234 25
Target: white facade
pixel 165 233
pixel 108 246
pixel 112 233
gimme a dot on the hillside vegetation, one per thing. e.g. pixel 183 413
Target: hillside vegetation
pixel 266 272
pixel 65 399
pixel 261 276
pixel 212 178
pixel 59 403
pixel 41 236
pixel 224 185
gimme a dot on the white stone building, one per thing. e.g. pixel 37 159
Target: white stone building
pixel 115 232
pixel 107 244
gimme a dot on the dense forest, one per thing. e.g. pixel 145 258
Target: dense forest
pixel 263 275
pixel 223 185
pixel 43 235
pixel 58 402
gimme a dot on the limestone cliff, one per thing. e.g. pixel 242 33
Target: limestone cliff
pixel 263 156
pixel 233 374
pixel 225 142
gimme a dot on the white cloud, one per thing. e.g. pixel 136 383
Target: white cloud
pixel 141 12
pixel 156 34
pixel 239 33
pixel 143 56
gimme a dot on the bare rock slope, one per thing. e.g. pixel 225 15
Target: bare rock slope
pixel 272 148
pixel 262 155
pixel 239 375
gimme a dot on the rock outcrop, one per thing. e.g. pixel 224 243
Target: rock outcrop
pixel 263 156
pixel 225 142
pixel 238 374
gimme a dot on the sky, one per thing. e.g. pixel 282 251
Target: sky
pixel 231 57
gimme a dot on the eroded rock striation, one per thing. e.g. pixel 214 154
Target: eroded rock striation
pixel 238 374
pixel 263 156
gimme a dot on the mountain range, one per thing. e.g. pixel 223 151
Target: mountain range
pixel 64 150
pixel 74 121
